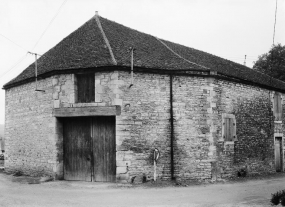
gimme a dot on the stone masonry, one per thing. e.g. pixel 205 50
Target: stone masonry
pixel 254 150
pixel 34 137
pixel 29 129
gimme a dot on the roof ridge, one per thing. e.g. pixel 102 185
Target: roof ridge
pixel 180 55
pixel 105 38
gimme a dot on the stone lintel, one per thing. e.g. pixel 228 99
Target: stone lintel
pixel 278 134
pixel 87 111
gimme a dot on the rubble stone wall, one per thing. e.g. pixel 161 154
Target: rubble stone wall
pixel 30 145
pixel 194 113
pixel 34 138
pixel 254 150
pixel 144 125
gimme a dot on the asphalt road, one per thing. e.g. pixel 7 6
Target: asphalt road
pixel 17 192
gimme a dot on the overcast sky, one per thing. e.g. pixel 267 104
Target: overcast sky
pixel 227 28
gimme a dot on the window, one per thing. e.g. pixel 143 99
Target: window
pixel 85 88
pixel 229 127
pixel 277 107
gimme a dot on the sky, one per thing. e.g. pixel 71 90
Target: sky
pixel 227 28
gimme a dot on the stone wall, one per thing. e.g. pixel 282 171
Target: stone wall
pixel 142 126
pixel 200 151
pixel 34 138
pixel 193 114
pixel 254 150
pixel 29 129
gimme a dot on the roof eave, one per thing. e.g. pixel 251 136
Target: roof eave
pixel 186 72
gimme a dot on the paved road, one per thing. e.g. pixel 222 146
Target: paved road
pixel 64 193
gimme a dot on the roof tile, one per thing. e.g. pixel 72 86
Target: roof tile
pixel 86 48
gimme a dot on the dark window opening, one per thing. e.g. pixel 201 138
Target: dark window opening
pixel 86 88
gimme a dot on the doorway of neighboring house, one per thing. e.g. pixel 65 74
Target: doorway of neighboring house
pixel 278 154
pixel 89 148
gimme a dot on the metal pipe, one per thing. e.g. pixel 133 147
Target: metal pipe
pixel 132 66
pixel 172 130
pixel 36 71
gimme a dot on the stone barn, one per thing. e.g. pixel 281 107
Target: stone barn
pixel 106 96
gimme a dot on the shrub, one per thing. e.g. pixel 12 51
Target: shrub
pixel 282 200
pixel 275 199
pixel 18 173
pixel 144 178
pixel 1 157
pixel 278 197
pixel 241 173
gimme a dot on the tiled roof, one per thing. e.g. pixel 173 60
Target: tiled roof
pixel 86 48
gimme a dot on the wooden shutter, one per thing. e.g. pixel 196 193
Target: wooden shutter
pixel 229 129
pixel 277 107
pixel 86 88
pixel 234 129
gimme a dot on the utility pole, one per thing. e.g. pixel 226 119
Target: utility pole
pixel 274 23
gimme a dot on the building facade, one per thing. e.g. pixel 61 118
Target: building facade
pixel 102 122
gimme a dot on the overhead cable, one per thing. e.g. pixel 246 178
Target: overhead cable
pixel 49 24
pixel 13 42
pixel 10 69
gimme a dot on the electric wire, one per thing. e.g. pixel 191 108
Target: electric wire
pixel 10 69
pixel 49 24
pixel 13 42
pixel 20 60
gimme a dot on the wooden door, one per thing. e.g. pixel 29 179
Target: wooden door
pixel 104 149
pixel 278 154
pixel 77 149
pixel 89 149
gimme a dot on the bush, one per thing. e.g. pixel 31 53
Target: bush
pixel 18 173
pixel 278 197
pixel 283 200
pixel 1 157
pixel 241 173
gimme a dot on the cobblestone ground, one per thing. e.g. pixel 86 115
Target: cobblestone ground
pixel 16 191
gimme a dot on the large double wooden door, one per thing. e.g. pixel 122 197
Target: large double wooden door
pixel 89 148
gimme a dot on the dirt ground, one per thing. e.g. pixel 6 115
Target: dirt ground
pixel 26 191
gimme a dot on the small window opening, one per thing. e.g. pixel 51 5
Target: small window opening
pixel 85 88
